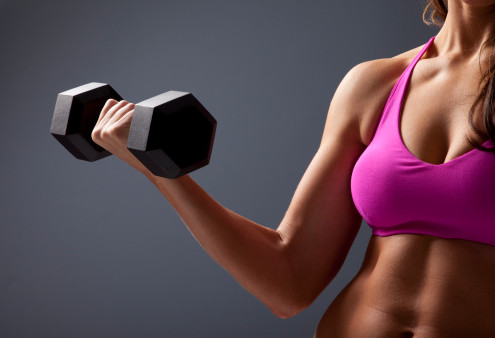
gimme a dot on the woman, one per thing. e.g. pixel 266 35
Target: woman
pixel 395 150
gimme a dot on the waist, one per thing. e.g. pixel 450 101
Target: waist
pixel 417 285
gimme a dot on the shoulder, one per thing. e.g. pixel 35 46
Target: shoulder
pixel 385 69
pixel 367 86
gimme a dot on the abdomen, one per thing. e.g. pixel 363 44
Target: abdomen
pixel 417 286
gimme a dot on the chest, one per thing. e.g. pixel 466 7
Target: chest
pixel 398 185
pixel 434 116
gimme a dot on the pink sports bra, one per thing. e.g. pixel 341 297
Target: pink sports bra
pixel 397 193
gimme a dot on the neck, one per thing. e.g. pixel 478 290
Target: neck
pixel 466 28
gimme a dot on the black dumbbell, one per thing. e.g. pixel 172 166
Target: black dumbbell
pixel 171 134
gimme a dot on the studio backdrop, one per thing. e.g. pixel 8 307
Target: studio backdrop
pixel 92 249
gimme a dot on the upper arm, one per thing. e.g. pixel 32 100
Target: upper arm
pixel 321 222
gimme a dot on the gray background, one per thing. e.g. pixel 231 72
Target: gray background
pixel 93 249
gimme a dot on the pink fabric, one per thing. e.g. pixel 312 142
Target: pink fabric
pixel 397 193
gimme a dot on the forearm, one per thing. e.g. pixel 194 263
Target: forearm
pixel 252 253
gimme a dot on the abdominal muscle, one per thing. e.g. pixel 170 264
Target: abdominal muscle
pixel 417 286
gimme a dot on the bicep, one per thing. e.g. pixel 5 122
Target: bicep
pixel 322 221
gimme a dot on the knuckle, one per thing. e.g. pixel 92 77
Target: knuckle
pixel 106 133
pixel 95 135
pixel 126 107
pixel 111 131
pixel 109 104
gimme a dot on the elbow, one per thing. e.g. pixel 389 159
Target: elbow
pixel 286 313
pixel 290 307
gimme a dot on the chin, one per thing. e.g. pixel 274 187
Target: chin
pixel 478 3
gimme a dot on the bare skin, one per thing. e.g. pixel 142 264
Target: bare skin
pixel 408 284
pixel 416 285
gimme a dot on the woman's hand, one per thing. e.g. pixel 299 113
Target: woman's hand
pixel 112 131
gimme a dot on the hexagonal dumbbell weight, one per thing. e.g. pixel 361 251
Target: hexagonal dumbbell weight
pixel 171 134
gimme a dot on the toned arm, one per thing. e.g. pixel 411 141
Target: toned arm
pixel 285 268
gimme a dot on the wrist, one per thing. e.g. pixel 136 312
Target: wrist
pixel 149 175
pixel 163 181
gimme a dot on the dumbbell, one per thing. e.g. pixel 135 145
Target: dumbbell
pixel 171 134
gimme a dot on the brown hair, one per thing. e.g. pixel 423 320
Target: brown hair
pixel 435 13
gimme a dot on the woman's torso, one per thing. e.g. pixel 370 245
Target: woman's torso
pixel 419 285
